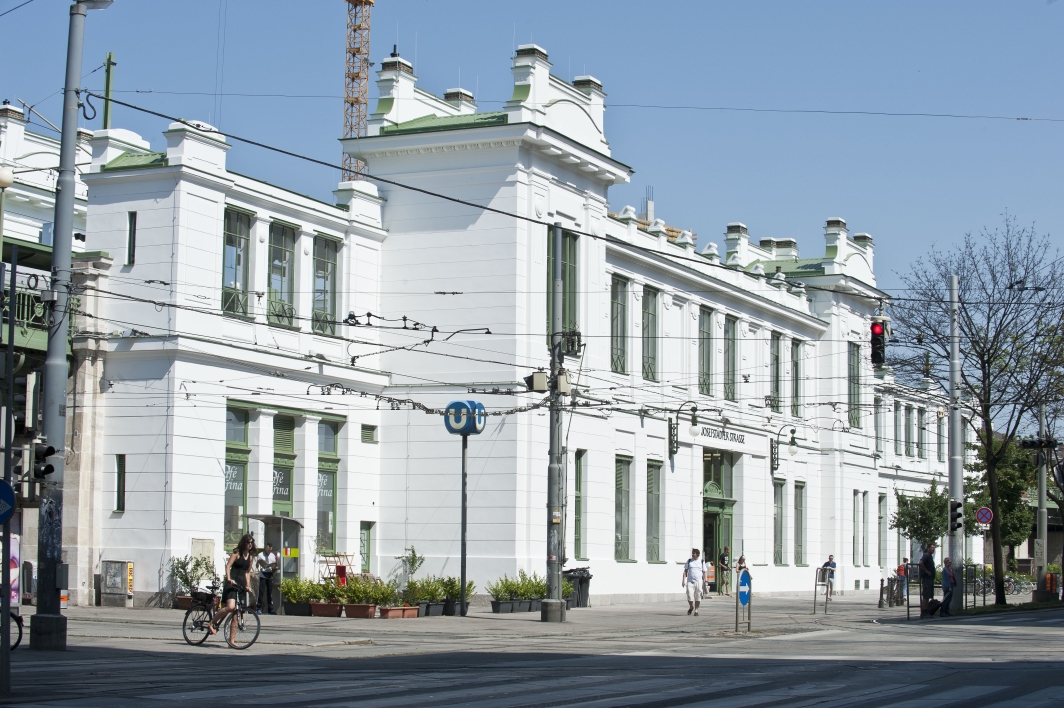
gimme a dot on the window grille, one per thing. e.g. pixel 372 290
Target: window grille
pixel 323 320
pixel 705 351
pixel 776 372
pixel 619 325
pixel 731 357
pixel 650 333
pixel 235 262
pixel 854 381
pixel 281 301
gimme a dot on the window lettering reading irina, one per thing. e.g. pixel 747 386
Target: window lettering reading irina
pixel 282 484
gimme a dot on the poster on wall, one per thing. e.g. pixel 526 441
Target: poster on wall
pixel 15 564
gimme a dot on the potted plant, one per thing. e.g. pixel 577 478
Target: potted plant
pixel 297 594
pixel 413 596
pixel 387 597
pixel 325 601
pixel 187 572
pixel 358 598
pixel 432 591
pixel 452 594
pixel 567 593
pixel 523 592
pixel 501 602
pixel 539 591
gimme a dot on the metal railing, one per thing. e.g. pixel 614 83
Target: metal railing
pixel 30 310
pixel 280 312
pixel 323 322
pixel 234 301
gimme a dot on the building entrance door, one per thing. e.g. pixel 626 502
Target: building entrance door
pixel 710 546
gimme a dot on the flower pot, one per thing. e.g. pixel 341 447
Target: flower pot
pixel 391 612
pixel 360 611
pixel 453 608
pixel 410 611
pixel 184 602
pixel 435 609
pixel 423 609
pixel 326 609
pixel 537 605
pixel 502 607
pixel 297 609
pixel 523 606
pixel 568 603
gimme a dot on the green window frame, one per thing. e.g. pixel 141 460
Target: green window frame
pixel 716 473
pixel 776 372
pixel 653 511
pixel 705 351
pixel 940 438
pixel 877 422
pixel 622 546
pixel 921 433
pixel 650 333
pixel 853 379
pixel 856 527
pixel 570 323
pixel 796 378
pixel 235 476
pixel 284 462
pixel 778 492
pixel 120 483
pixel 328 467
pixel 578 505
pixel 365 545
pixel 323 319
pixel 799 523
pixel 235 262
pixel 898 434
pixel 281 307
pixel 882 530
pixel 731 357
pixel 909 431
pixel 864 529
pixel 131 238
pixel 619 325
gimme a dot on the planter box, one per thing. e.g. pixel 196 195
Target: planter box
pixel 435 609
pixel 184 602
pixel 297 609
pixel 502 607
pixel 326 609
pixel 422 609
pixel 360 611
pixel 398 612
pixel 452 608
pixel 536 605
pixel 522 606
pixel 568 603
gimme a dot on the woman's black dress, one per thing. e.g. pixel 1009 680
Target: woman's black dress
pixel 239 573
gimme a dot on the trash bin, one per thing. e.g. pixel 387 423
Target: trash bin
pixel 581 580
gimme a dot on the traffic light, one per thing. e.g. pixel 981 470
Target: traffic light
pixel 956 515
pixel 879 343
pixel 41 466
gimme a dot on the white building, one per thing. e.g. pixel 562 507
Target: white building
pixel 217 379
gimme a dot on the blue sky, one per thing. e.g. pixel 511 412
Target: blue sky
pixel 909 181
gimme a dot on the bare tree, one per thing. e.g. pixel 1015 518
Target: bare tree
pixel 1012 355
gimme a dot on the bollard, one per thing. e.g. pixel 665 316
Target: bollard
pixel 881 605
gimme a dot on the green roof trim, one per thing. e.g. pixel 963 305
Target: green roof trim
pixel 790 266
pixel 431 124
pixel 132 161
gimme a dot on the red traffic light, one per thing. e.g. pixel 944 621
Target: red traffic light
pixel 877 328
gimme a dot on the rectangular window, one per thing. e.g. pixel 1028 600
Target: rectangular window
pixel 281 308
pixel 283 463
pixel 882 530
pixel 653 510
pixel 877 422
pixel 853 378
pixel 799 524
pixel 921 433
pixel 778 487
pixel 650 333
pixel 940 438
pixel 856 527
pixel 864 528
pixel 705 351
pixel 569 284
pixel 235 258
pixel 897 428
pixel 716 473
pixel 326 539
pixel 622 507
pixel 775 365
pixel 131 239
pixel 731 357
pixel 236 426
pixel 796 378
pixel 365 544
pixel 327 434
pixel 578 505
pixel 236 475
pixel 323 319
pixel 909 431
pixel 619 325
pixel 369 434
pixel 120 482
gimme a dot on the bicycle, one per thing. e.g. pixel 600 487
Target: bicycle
pixel 198 619
pixel 16 630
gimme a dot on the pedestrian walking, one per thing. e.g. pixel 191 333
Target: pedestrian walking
pixel 949 582
pixel 266 563
pixel 927 578
pixel 724 573
pixel 830 565
pixel 694 580
pixel 740 565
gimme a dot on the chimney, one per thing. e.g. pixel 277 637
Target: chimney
pixel 836 241
pixel 196 145
pixel 460 99
pixel 108 144
pixel 531 71
pixel 737 244
pixel 395 82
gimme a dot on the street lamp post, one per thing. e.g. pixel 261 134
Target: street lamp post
pixel 674 426
pixel 792 447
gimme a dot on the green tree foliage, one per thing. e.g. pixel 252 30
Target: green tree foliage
pixel 1016 474
pixel 923 517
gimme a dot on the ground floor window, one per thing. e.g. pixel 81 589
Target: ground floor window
pixel 653 510
pixel 236 475
pixel 282 490
pixel 365 544
pixel 717 473
pixel 622 508
pixel 578 502
pixel 778 487
pixel 799 524
pixel 326 541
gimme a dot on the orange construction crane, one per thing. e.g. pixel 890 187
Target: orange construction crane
pixel 356 96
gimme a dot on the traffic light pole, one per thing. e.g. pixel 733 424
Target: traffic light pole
pixel 553 608
pixel 956 438
pixel 1042 520
pixel 9 434
pixel 48 627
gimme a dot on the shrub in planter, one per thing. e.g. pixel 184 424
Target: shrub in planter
pixel 297 594
pixel 187 572
pixel 502 592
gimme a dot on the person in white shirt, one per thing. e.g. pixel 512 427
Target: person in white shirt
pixel 694 579
pixel 266 562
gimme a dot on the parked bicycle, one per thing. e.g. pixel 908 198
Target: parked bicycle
pixel 16 630
pixel 198 619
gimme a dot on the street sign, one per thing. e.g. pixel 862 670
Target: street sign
pixel 985 515
pixel 744 588
pixel 7 501
pixel 465 418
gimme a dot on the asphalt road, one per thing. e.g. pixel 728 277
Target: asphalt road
pixel 637 655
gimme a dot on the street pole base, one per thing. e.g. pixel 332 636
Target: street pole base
pixel 552 611
pixel 48 632
pixel 1044 596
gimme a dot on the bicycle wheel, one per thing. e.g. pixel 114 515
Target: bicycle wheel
pixel 247 629
pixel 16 631
pixel 195 626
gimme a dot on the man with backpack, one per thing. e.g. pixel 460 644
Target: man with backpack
pixel 694 580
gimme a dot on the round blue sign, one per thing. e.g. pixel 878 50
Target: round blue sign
pixel 744 588
pixel 7 501
pixel 465 418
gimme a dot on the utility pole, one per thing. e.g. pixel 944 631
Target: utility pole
pixel 108 87
pixel 9 434
pixel 956 436
pixel 1042 521
pixel 48 627
pixel 553 608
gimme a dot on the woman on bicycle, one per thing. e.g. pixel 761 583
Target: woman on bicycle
pixel 236 580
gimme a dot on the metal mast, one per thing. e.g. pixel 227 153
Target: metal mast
pixel 356 95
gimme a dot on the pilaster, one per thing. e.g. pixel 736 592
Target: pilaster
pixel 260 462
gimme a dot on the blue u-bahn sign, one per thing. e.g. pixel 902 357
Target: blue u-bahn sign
pixel 465 418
